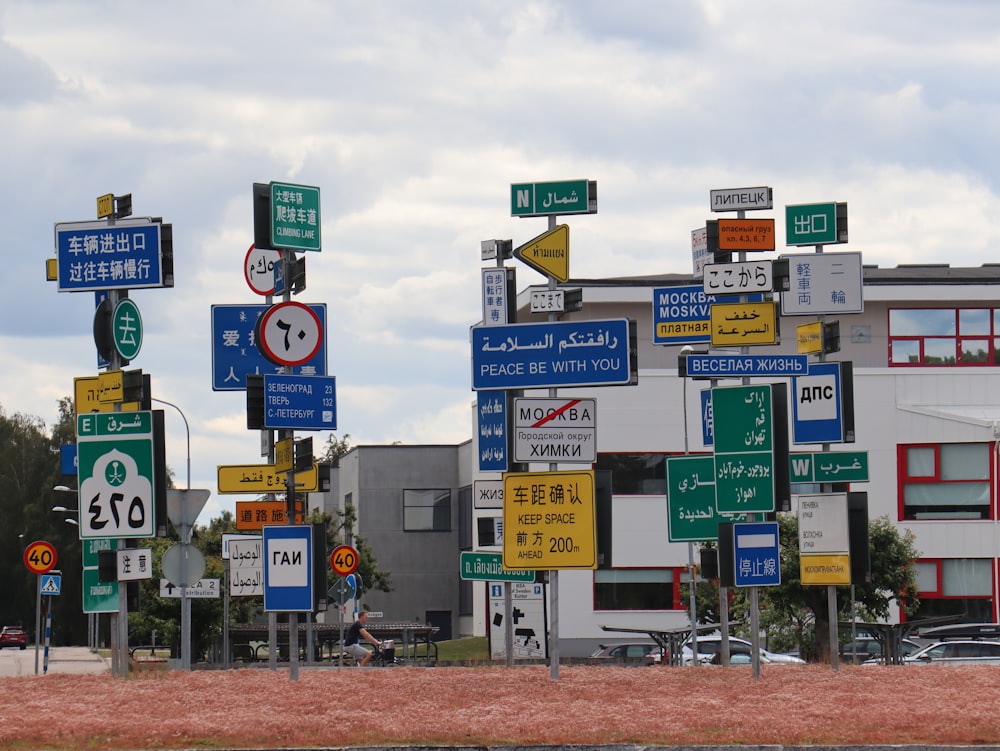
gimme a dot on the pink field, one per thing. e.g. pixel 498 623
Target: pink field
pixel 255 708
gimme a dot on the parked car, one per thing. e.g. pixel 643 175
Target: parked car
pixel 13 636
pixel 644 652
pixel 711 645
pixel 868 648
pixel 957 652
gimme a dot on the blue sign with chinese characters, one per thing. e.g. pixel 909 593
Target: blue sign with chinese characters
pixel 295 402
pixel 563 353
pixel 94 256
pixel 755 554
pixel 234 348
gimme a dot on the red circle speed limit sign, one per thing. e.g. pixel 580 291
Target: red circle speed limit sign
pixel 344 560
pixel 40 557
pixel 289 333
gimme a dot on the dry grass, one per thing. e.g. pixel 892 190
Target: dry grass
pixel 254 708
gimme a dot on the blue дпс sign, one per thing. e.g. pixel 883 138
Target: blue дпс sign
pixel 297 402
pixel 563 353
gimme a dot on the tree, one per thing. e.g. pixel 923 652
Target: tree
pixel 795 616
pixel 797 606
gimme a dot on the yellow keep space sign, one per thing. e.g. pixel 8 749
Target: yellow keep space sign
pixel 827 569
pixel 549 520
pixel 263 478
pixel 740 323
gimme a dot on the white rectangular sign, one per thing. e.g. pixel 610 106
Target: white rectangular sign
pixel 740 199
pixel 823 523
pixel 204 588
pixel 495 296
pixel 555 430
pixel 738 278
pixel 823 283
pixel 246 565
pixel 135 564
pixel 487 493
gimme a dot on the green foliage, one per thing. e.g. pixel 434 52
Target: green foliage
pixel 336 448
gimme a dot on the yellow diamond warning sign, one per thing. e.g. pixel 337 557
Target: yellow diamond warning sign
pixel 548 253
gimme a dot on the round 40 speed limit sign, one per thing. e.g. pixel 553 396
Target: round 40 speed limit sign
pixel 40 557
pixel 344 560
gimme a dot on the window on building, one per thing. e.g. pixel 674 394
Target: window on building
pixel 945 481
pixel 636 589
pixel 635 474
pixel 944 336
pixel 955 586
pixel 427 510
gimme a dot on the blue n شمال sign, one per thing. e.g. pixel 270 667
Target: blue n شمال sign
pixel 554 354
pixel 756 555
pixel 288 584
pixel 235 354
pixel 297 402
pixel 95 256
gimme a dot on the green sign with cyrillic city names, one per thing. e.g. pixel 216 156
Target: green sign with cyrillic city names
pixel 551 199
pixel 829 466
pixel 295 218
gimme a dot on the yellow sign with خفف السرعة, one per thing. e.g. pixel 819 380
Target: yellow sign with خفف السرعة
pixel 549 520
pixel 739 323
pixel 263 478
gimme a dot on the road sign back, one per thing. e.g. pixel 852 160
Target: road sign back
pixel 548 253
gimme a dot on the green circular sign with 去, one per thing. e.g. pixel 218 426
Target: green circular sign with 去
pixel 126 328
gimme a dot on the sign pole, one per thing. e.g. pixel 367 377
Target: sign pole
pixel 38 619
pixel 554 573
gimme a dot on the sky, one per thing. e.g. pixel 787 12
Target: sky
pixel 414 119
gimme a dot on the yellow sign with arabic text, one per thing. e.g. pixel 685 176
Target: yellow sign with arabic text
pixel 283 452
pixel 743 323
pixel 810 338
pixel 263 478
pixel 91 394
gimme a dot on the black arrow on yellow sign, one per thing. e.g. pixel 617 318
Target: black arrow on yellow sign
pixel 548 253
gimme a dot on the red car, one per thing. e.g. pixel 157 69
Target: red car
pixel 12 636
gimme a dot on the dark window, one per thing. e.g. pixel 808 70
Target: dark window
pixel 427 510
pixel 635 589
pixel 635 474
pixel 465 518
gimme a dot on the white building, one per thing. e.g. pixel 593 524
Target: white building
pixel 926 363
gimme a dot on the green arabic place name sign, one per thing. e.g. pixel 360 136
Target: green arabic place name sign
pixel 829 466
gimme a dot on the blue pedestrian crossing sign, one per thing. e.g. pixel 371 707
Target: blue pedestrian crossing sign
pixel 755 554
pixel 51 584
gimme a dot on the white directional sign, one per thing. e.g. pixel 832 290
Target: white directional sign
pixel 201 589
pixel 555 430
pixel 823 283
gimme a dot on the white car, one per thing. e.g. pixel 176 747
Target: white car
pixel 711 646
pixel 957 652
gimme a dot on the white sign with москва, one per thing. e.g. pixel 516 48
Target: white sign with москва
pixel 555 430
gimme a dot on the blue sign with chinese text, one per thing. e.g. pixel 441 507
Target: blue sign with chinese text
pixel 554 354
pixel 755 554
pixel 94 256
pixel 234 348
